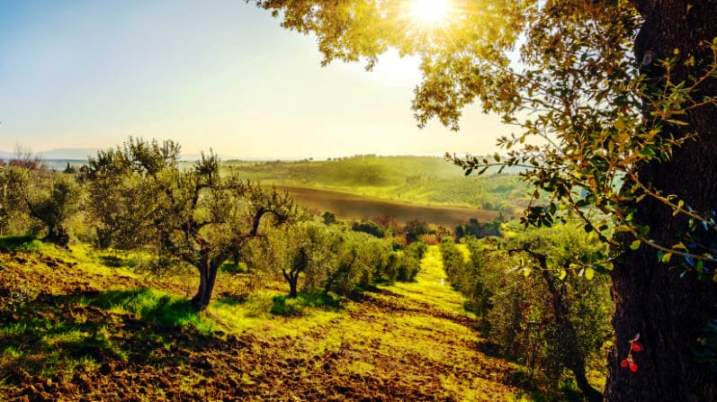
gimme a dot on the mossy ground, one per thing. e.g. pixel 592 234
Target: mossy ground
pixel 78 325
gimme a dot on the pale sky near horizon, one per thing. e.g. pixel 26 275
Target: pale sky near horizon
pixel 219 74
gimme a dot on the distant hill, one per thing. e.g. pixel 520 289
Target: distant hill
pixel 413 179
pixel 67 153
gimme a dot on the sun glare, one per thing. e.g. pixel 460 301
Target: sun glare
pixel 430 12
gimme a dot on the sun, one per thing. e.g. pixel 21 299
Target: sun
pixel 430 12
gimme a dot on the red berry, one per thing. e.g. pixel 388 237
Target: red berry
pixel 633 366
pixel 624 363
pixel 636 347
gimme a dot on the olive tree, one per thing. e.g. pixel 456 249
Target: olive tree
pixel 12 187
pixel 51 198
pixel 118 192
pixel 195 216
pixel 613 103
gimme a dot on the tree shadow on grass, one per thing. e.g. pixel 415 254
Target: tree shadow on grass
pixel 51 336
pixel 19 243
pixel 115 261
pixel 285 306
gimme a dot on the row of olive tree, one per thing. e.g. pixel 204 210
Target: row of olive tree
pixel 139 197
pixel 534 301
pixel 333 258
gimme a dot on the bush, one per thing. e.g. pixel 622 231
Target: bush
pixel 369 227
pixel 409 261
pixel 415 229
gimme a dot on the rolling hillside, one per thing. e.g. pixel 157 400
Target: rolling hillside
pixel 418 180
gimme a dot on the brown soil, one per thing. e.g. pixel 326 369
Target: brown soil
pixel 352 206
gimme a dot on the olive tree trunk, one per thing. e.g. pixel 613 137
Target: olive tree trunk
pixel 208 269
pixel 652 299
pixel 573 357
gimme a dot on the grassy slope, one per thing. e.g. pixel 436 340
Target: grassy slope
pixel 422 180
pixel 72 327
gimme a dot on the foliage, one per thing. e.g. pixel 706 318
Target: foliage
pixel 194 216
pixel 407 262
pixel 476 229
pixel 520 296
pixel 336 258
pixel 329 218
pixel 369 227
pixel 52 198
pixel 13 185
pixel 117 181
pixel 413 230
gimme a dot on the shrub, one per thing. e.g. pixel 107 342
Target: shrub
pixel 369 227
pixel 415 229
pixel 408 262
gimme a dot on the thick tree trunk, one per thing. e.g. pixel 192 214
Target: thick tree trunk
pixel 669 312
pixel 292 278
pixel 293 287
pixel 58 235
pixel 207 277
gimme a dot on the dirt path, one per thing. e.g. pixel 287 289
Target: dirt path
pixel 407 342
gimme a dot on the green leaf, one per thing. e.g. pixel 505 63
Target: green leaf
pixel 589 274
pixel 563 273
pixel 635 245
pixel 526 272
pixel 666 258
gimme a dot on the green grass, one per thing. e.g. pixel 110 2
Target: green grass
pixel 19 243
pixel 230 267
pixel 152 306
pixel 285 306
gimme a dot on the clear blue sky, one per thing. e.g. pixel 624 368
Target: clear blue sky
pixel 219 73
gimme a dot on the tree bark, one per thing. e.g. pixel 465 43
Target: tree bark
pixel 652 299
pixel 207 277
pixel 574 358
pixel 57 234
pixel 293 292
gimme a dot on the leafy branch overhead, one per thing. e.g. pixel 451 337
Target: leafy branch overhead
pixel 585 112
